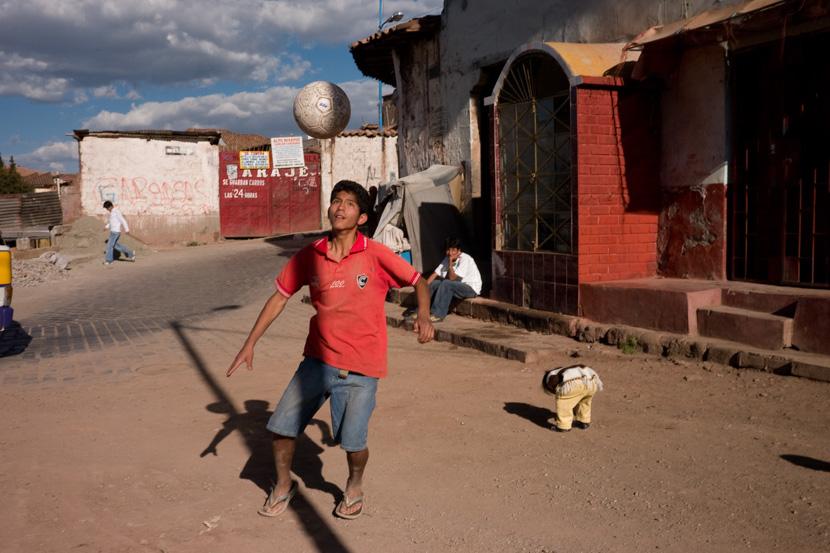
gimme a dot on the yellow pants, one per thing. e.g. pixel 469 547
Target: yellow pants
pixel 576 403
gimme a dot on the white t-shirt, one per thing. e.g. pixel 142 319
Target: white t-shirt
pixel 465 269
pixel 117 222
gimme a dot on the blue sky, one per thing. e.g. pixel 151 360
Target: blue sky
pixel 173 64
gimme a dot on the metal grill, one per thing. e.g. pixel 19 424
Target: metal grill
pixel 536 177
pixel 780 200
pixel 29 211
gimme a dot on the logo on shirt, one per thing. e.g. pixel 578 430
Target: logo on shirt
pixel 362 280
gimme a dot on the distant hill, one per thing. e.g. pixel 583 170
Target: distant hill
pixel 25 171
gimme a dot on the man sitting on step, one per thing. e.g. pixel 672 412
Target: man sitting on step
pixel 456 276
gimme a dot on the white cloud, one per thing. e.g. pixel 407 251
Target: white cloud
pixel 14 61
pixel 114 91
pixel 269 112
pixel 107 91
pixel 22 76
pixel 338 21
pixel 57 156
pixel 293 70
pixel 34 87
pixel 49 48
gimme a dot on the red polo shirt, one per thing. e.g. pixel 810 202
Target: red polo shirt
pixel 349 329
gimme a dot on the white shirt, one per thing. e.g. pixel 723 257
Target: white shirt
pixel 117 221
pixel 465 269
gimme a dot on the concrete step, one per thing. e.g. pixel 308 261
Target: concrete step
pixel 492 338
pixel 762 330
pixel 477 325
pixel 777 303
pixel 668 305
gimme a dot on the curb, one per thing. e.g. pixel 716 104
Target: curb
pixel 628 339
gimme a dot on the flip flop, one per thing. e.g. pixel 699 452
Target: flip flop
pixel 271 502
pixel 347 503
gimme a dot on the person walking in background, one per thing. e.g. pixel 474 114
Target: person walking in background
pixel 456 277
pixel 116 224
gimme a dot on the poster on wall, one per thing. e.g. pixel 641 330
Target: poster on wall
pixel 253 160
pixel 287 151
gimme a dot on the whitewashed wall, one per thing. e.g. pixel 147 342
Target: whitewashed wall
pixel 694 152
pixel 167 189
pixel 368 161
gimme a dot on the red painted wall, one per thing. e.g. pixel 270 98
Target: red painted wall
pixel 268 202
pixel 617 184
pixel 692 241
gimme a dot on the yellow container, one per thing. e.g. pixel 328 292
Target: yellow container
pixel 5 265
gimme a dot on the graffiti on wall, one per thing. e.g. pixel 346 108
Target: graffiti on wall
pixel 140 195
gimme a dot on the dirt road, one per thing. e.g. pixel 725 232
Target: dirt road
pixel 109 448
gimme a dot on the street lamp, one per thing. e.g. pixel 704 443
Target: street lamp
pixel 397 16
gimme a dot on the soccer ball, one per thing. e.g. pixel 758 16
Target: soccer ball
pixel 322 109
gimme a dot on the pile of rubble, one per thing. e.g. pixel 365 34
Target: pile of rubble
pixel 87 236
pixel 32 272
pixel 81 242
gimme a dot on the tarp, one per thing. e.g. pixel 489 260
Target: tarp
pixel 425 203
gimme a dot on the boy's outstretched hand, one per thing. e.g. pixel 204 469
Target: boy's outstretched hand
pixel 245 355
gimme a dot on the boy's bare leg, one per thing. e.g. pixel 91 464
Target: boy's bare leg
pixel 354 487
pixel 284 448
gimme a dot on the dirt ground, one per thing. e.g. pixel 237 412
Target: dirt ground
pixel 681 456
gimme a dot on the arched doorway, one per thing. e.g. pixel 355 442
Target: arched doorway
pixel 535 207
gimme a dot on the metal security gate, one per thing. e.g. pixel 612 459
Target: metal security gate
pixel 536 171
pixel 268 201
pixel 779 198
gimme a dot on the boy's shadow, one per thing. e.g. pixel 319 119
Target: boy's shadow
pixel 540 416
pixel 259 468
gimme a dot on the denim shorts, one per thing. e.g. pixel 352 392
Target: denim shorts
pixel 352 403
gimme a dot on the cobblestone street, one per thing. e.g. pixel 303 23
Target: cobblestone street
pixel 124 304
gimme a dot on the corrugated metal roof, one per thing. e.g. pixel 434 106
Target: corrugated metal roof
pixel 10 211
pixel 373 54
pixel 41 210
pixel 24 211
pixel 702 20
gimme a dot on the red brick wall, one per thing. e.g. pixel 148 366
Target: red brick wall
pixel 617 186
